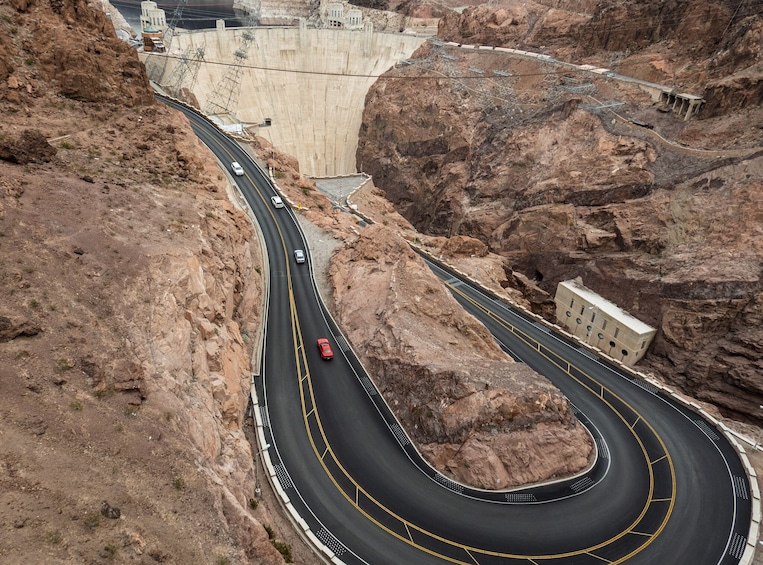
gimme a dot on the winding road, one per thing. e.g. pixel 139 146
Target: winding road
pixel 667 488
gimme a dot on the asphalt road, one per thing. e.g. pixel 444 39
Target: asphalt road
pixel 666 489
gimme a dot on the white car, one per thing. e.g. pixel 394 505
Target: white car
pixel 236 168
pixel 277 202
pixel 299 256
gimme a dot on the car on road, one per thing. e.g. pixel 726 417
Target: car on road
pixel 236 168
pixel 325 348
pixel 299 256
pixel 277 202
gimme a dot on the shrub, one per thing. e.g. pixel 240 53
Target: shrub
pixel 284 549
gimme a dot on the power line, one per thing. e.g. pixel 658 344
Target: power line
pixel 383 77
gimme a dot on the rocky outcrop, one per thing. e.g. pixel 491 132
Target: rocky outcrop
pixel 671 42
pixel 736 92
pixel 139 311
pixel 472 411
pixel 132 299
pixel 559 187
pixel 30 146
pixel 75 51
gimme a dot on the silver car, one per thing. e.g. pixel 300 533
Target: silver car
pixel 299 256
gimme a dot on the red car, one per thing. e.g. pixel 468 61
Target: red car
pixel 325 348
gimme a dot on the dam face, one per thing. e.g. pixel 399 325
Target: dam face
pixel 311 83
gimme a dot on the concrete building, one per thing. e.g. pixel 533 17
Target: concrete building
pixel 336 17
pixel 601 323
pixel 681 102
pixel 152 40
pixel 151 16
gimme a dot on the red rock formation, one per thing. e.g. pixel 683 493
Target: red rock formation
pixel 129 295
pixel 475 414
pixel 696 45
pixel 561 187
pixel 75 50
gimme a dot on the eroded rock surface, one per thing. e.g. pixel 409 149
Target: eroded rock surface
pixel 547 174
pixel 476 415
pixel 131 299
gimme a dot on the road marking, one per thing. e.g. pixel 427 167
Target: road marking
pixel 708 431
pixel 603 448
pixel 585 353
pixel 342 343
pixel 448 483
pixel 646 386
pixel 328 539
pixel 400 434
pixel 582 484
pixel 520 497
pixel 407 529
pixel 740 488
pixel 283 477
pixel 737 546
pixel 368 385
pixel 469 553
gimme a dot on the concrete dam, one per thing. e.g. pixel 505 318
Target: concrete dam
pixel 310 83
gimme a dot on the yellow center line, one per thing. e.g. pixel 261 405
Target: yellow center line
pixel 308 395
pixel 666 455
pixel 464 547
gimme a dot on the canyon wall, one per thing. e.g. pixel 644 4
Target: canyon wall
pixel 131 301
pixel 555 171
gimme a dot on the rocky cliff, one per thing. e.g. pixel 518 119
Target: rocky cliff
pixel 556 172
pixel 711 48
pixel 475 415
pixel 131 299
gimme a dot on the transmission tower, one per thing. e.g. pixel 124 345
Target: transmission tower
pixel 189 64
pixel 224 98
pixel 156 72
pixel 170 31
